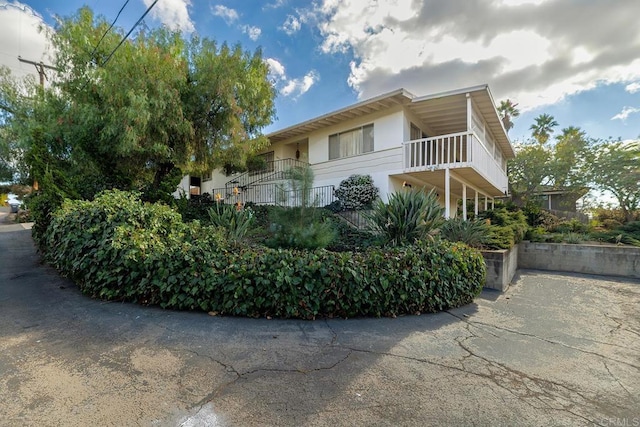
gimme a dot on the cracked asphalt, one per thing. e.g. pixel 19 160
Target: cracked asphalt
pixel 554 350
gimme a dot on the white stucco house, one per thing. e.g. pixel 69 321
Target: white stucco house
pixel 453 141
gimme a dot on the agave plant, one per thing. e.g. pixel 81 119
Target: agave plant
pixel 233 219
pixel 407 216
pixel 473 233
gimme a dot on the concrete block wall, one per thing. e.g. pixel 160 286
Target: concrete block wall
pixel 588 259
pixel 501 267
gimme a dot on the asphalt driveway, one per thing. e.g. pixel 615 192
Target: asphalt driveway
pixel 553 350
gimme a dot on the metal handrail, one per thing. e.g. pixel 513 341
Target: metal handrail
pixel 273 170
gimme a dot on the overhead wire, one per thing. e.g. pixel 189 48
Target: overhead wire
pixel 129 33
pixel 109 29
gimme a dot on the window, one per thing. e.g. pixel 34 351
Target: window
pixel 351 143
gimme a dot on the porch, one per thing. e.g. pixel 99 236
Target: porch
pixel 459 165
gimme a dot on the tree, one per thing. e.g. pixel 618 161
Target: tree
pixel 528 171
pixel 565 165
pixel 507 110
pixel 572 160
pixel 543 128
pixel 140 115
pixel 616 169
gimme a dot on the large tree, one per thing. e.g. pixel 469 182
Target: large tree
pixel 565 165
pixel 572 159
pixel 616 169
pixel 528 172
pixel 138 115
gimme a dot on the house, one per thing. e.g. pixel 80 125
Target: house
pixel 452 141
pixel 561 200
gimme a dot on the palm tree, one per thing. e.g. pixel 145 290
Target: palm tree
pixel 543 128
pixel 507 110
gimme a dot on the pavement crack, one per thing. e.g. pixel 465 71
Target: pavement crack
pixel 298 370
pixel 606 366
pixel 478 324
pixel 334 334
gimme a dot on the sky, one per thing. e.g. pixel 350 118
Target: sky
pixel 578 60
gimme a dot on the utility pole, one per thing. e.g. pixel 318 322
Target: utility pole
pixel 40 66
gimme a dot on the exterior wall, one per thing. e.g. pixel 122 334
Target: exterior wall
pixel 183 187
pixel 378 164
pixel 387 131
pixel 588 259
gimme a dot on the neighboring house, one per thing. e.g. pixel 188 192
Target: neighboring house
pixel 453 141
pixel 556 199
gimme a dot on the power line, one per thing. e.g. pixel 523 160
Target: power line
pixel 109 29
pixel 130 31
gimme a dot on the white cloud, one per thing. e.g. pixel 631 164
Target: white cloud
pixel 534 51
pixel 253 32
pixel 173 13
pixel 229 15
pixel 297 87
pixel 276 69
pixel 625 113
pixel 21 36
pixel 291 25
pixel 290 87
pixel 275 5
pixel 633 87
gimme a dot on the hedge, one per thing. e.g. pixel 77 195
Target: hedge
pixel 117 248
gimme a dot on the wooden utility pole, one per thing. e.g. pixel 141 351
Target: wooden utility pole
pixel 40 66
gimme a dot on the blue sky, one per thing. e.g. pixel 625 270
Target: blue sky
pixel 577 60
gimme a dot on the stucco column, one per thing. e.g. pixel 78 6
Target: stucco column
pixel 447 193
pixel 475 205
pixel 464 201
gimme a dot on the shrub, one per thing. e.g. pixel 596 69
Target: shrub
pixel 117 248
pixel 301 227
pixel 234 220
pixel 573 238
pixel 294 228
pixel 628 233
pixel 501 237
pixel 408 216
pixel 506 227
pixel 472 233
pixel 571 226
pixel 349 238
pixel 356 192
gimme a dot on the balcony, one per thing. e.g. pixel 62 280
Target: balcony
pixel 464 152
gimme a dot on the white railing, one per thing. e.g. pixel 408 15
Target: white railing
pixel 437 151
pixel 457 150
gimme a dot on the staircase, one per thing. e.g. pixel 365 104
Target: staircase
pixel 260 187
pixel 273 171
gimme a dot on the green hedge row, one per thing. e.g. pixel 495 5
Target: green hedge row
pixel 117 248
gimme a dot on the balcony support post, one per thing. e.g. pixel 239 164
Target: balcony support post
pixel 447 193
pixel 464 201
pixel 469 113
pixel 475 205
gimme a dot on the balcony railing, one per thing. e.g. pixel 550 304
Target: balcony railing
pixel 457 150
pixel 276 194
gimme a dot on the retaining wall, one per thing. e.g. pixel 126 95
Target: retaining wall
pixel 501 267
pixel 589 259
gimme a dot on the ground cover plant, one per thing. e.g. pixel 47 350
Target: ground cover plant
pixel 118 248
